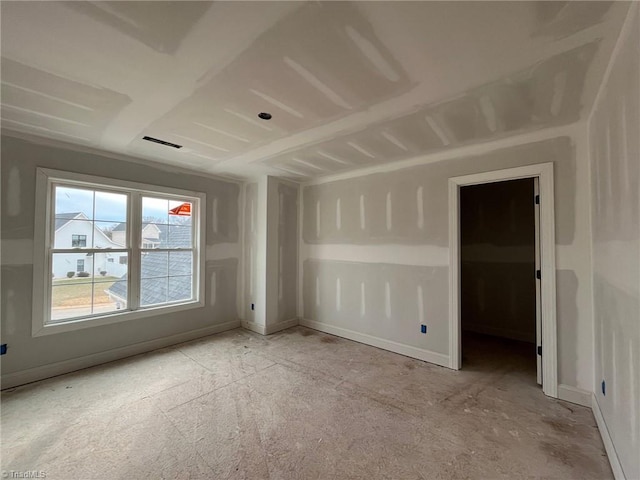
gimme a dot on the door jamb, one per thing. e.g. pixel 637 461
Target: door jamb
pixel 544 171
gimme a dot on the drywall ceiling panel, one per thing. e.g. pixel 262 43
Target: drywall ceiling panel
pixel 564 18
pixel 349 84
pixel 544 94
pixel 318 63
pixel 54 106
pixel 160 25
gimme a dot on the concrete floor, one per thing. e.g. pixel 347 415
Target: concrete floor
pixel 299 405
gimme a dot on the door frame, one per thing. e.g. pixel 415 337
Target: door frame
pixel 544 172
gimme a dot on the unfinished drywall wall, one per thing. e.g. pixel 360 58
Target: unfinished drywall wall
pixel 615 187
pixel 391 228
pixel 287 251
pixel 383 300
pixel 250 251
pixel 497 253
pixel 271 255
pixel 19 161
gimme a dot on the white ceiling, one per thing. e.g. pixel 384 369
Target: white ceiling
pixel 349 84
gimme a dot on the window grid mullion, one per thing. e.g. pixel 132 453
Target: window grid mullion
pixel 50 211
pixel 89 250
pixel 135 229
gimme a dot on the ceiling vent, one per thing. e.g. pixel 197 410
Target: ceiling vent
pixel 161 142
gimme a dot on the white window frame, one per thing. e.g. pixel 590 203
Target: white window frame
pixel 43 241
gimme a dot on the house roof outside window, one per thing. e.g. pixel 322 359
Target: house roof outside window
pixel 63 218
pixel 155 265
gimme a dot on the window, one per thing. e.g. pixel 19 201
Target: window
pixel 78 240
pixel 155 232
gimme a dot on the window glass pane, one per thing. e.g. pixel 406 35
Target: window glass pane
pixel 116 292
pixel 154 264
pixel 110 207
pixel 179 288
pixel 73 203
pixel 180 212
pixel 159 217
pixel 109 265
pixel 110 235
pixel 65 265
pixel 153 291
pixel 155 210
pixel 71 298
pixel 93 279
pixel 180 263
pixel 179 237
pixel 104 301
pixel 73 233
pixel 152 234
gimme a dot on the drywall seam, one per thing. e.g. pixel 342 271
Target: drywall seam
pixel 569 259
pixel 414 255
pixel 574 395
pixel 413 352
pixel 300 253
pixel 272 234
pixel 221 251
pixel 21 251
pixel 260 316
pixel 242 276
pixel 49 142
pixel 67 366
pixel 614 461
pixel 460 152
pixel 624 31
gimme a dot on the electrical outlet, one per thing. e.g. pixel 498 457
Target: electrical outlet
pixel 423 328
pixel 604 388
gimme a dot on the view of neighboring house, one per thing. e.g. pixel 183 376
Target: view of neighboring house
pixel 166 276
pixel 75 230
pixel 150 235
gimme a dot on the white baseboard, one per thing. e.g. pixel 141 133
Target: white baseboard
pixel 59 368
pixel 276 327
pixel 269 329
pixel 574 395
pixel 614 461
pixel 402 349
pixel 254 327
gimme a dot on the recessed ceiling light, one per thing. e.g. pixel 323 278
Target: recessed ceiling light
pixel 264 116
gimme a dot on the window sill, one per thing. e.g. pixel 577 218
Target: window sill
pixel 108 319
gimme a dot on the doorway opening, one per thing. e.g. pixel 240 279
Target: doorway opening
pixel 499 294
pixel 502 271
